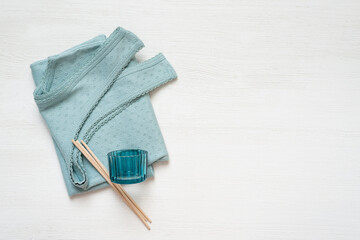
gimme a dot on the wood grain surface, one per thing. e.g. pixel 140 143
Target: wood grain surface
pixel 262 124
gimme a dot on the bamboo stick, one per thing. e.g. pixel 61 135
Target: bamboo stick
pixel 107 178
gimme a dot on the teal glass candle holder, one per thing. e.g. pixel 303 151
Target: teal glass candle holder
pixel 128 166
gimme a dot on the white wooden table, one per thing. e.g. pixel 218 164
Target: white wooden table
pixel 262 125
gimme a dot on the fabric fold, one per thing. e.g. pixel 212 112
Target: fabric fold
pixel 91 92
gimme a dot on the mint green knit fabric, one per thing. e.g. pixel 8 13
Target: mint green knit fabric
pixel 98 92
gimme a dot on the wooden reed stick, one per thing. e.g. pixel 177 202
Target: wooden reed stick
pixel 106 177
pixel 118 186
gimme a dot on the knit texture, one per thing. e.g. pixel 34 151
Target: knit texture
pixel 98 92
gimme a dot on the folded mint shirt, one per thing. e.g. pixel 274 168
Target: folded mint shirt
pixel 98 92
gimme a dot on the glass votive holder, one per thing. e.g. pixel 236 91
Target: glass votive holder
pixel 127 166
